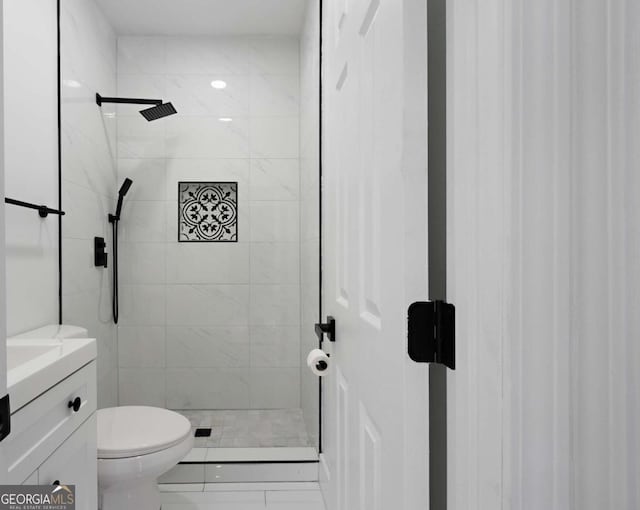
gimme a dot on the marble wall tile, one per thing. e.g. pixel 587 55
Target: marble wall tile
pixel 275 388
pixel 87 43
pixel 141 55
pixel 273 305
pixel 274 137
pixel 89 172
pixel 275 222
pixel 78 267
pixel 138 138
pixel 310 255
pixel 198 169
pixel 142 305
pixel 275 263
pixel 274 55
pixel 147 86
pixel 206 137
pixel 142 221
pixel 275 180
pixel 142 386
pixel 274 95
pixel 198 263
pixel 207 305
pixel 141 346
pixel 193 95
pixel 107 391
pixel 207 347
pixel 140 263
pixel 144 86
pixel 148 176
pixel 226 309
pixel 207 388
pixel 275 346
pixel 85 210
pixel 212 56
pixel 89 156
pixel 309 209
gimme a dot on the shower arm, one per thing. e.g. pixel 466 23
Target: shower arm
pixel 126 100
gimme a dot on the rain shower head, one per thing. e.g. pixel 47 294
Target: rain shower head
pixel 158 112
pixel 159 109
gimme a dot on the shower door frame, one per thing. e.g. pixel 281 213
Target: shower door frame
pixel 320 138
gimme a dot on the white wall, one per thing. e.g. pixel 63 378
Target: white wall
pixel 31 162
pixel 309 210
pixel 210 325
pixel 88 49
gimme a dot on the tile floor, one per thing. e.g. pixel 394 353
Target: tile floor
pixel 249 428
pixel 243 497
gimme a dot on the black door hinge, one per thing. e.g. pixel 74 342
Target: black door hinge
pixel 5 417
pixel 326 328
pixel 432 333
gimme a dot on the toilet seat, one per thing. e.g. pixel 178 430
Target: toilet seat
pixel 133 431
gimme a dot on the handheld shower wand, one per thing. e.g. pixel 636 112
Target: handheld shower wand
pixel 114 219
pixel 123 191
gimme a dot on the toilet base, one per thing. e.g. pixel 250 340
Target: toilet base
pixel 144 495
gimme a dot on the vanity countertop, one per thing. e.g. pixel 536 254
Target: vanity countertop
pixel 35 365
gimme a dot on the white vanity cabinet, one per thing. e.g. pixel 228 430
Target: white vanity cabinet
pixel 74 462
pixel 53 438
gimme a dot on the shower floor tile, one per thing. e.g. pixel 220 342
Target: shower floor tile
pixel 249 428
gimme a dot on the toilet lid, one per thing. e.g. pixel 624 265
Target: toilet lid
pixel 130 431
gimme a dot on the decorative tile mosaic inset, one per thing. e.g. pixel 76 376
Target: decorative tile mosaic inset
pixel 207 211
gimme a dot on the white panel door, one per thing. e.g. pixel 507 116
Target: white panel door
pixel 374 262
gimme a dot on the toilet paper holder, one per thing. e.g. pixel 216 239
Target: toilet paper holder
pixel 328 328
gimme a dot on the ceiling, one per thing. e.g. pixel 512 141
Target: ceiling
pixel 205 17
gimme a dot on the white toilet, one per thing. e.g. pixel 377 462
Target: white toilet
pixel 136 445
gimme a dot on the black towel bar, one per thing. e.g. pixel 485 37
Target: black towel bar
pixel 43 210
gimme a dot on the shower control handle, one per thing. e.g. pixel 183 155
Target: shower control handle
pixel 75 404
pixel 99 253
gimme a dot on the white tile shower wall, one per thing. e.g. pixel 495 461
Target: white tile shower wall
pixel 30 162
pixel 309 209
pixel 88 59
pixel 211 325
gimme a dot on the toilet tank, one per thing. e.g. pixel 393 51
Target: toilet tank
pixel 55 331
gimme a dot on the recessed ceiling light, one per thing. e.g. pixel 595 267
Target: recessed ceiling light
pixel 72 83
pixel 225 119
pixel 219 84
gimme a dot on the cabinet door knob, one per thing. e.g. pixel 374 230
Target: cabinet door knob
pixel 75 404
